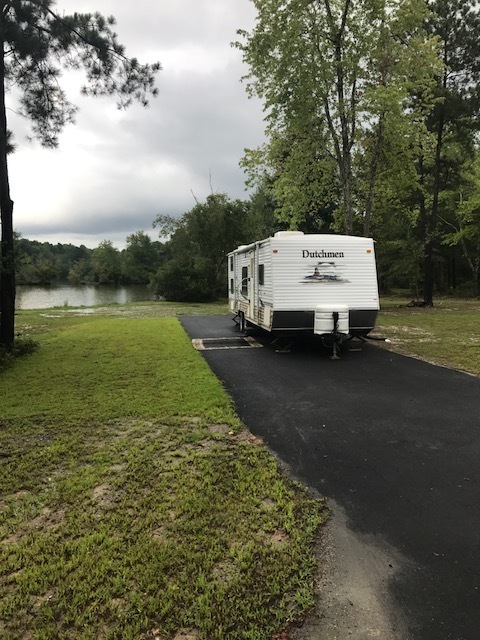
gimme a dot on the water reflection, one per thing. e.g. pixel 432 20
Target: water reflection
pixel 45 297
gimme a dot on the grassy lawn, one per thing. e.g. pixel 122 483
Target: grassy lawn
pixel 447 334
pixel 133 502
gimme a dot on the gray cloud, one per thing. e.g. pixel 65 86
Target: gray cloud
pixel 115 171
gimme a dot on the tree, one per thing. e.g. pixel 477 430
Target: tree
pixel 335 75
pixel 301 179
pixel 106 264
pixel 198 248
pixel 456 117
pixel 465 230
pixel 141 258
pixel 81 271
pixel 36 45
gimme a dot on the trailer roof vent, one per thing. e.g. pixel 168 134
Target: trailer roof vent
pixel 286 234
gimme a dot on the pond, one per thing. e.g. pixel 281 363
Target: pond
pixel 63 295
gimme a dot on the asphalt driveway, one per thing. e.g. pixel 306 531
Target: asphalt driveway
pixel 393 440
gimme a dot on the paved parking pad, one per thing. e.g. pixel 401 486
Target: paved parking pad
pixel 393 440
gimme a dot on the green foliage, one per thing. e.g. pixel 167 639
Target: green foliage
pixel 198 248
pixel 372 111
pixel 106 263
pixel 465 228
pixel 262 220
pixel 44 263
pixel 81 271
pixel 336 78
pixel 42 42
pixel 302 181
pixel 141 258
pixel 454 120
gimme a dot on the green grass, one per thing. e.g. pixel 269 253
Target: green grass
pixel 107 367
pixel 447 334
pixel 133 502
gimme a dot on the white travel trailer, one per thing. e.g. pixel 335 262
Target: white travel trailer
pixel 316 283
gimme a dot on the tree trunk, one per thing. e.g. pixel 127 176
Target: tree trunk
pixel 7 264
pixel 431 222
pixel 373 176
pixel 428 275
pixel 343 139
pixel 347 194
pixel 431 226
pixel 424 233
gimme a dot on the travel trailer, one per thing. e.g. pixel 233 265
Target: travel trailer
pixel 294 283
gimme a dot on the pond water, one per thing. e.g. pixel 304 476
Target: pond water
pixel 60 295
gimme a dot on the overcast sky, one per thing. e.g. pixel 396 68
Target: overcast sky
pixel 115 171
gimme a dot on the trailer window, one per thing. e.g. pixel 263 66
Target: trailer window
pixel 231 263
pixel 232 289
pixel 244 281
pixel 261 274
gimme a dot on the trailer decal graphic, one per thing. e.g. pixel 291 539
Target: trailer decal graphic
pixel 324 272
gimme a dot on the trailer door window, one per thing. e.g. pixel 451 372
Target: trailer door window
pixel 261 274
pixel 245 281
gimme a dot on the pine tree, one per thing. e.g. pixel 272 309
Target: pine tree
pixel 37 43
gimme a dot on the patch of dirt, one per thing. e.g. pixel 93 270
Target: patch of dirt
pixel 189 420
pixel 247 436
pixel 155 634
pixel 16 538
pixel 118 468
pixel 353 588
pixel 187 635
pixel 119 603
pixel 225 572
pixel 38 601
pixel 268 503
pixel 159 534
pixel 105 497
pixel 219 429
pixel 100 491
pixel 279 538
pixel 46 519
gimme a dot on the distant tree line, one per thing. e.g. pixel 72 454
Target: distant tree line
pixel 44 263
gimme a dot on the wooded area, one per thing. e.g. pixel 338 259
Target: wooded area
pixel 45 263
pixel 372 112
